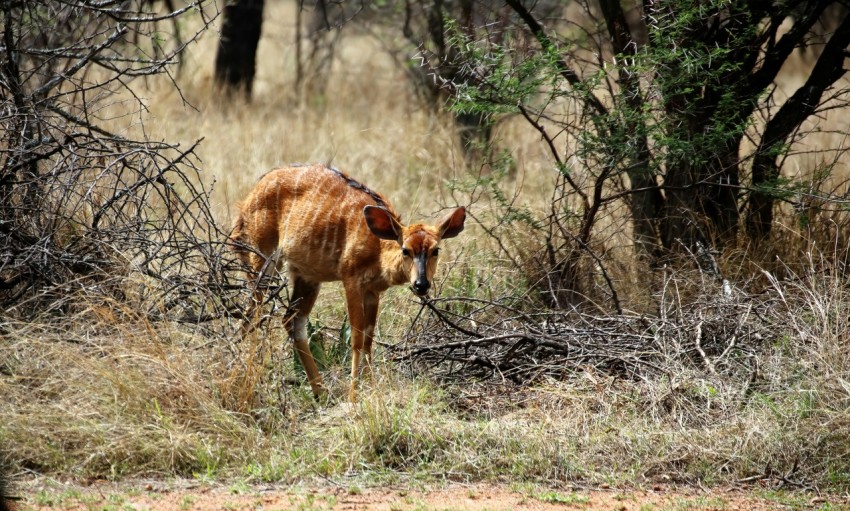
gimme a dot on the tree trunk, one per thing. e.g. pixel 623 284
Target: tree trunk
pixel 235 62
pixel 702 201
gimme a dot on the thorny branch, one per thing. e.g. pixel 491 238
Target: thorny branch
pixel 83 211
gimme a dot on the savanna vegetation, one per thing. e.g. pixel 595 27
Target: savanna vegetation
pixel 652 284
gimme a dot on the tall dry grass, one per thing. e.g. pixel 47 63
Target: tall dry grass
pixel 366 123
pixel 106 393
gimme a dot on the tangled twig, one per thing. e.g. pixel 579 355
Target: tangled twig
pixel 464 338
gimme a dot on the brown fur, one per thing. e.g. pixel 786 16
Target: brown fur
pixel 329 227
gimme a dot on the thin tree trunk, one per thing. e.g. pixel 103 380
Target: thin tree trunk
pixel 646 203
pixel 299 59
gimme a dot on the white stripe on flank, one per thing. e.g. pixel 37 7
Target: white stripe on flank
pixel 284 233
pixel 338 221
pixel 321 208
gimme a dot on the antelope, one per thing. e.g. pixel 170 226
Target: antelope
pixel 329 227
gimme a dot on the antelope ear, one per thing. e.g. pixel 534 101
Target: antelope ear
pixel 452 224
pixel 382 223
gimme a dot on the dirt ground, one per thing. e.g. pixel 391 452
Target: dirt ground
pixel 189 496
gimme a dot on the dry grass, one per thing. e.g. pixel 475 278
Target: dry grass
pixel 366 123
pixel 105 393
pixel 96 398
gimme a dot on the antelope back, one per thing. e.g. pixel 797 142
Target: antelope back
pixel 314 216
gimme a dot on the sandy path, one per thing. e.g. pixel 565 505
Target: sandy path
pixel 193 497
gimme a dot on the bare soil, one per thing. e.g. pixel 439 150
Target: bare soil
pixel 478 497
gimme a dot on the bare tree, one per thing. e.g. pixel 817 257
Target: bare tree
pixel 318 31
pixel 81 207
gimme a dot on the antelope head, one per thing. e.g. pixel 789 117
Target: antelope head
pixel 419 243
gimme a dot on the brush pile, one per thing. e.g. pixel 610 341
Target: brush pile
pixel 472 339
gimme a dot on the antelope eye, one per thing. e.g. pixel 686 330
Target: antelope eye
pixel 405 252
pixel 435 252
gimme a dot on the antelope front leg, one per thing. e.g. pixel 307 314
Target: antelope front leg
pixel 354 298
pixel 370 316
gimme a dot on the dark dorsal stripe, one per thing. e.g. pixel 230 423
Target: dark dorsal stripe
pixel 357 185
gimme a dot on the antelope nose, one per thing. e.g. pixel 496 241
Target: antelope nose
pixel 421 287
